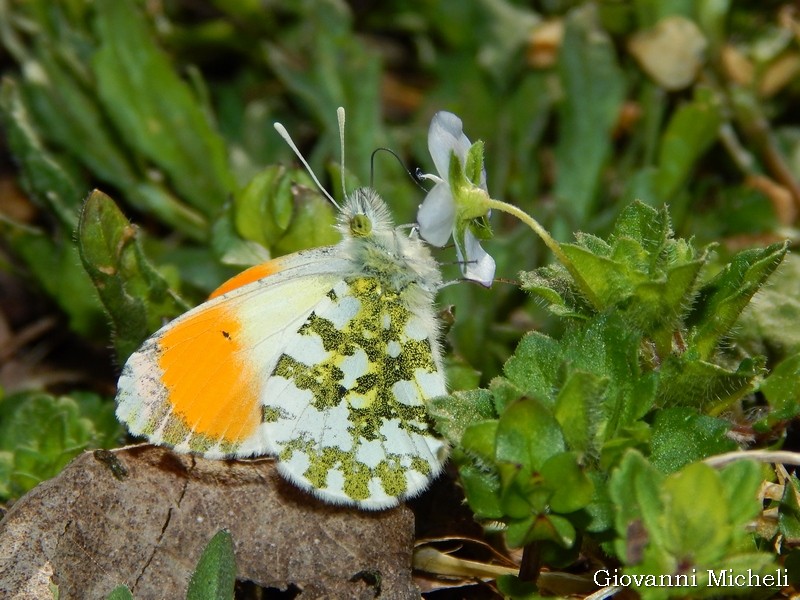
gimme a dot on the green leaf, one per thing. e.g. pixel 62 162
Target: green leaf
pixel 136 296
pixel 721 300
pixel 165 123
pixel 513 588
pixel 697 524
pixel 454 413
pixel 577 407
pixel 479 439
pixel 280 210
pixel 482 491
pixel 742 480
pixel 534 367
pixel 609 282
pixel 789 511
pixel 264 207
pixel 593 89
pixel 689 133
pixel 49 180
pixel 681 436
pixel 782 389
pixel 54 262
pixel 313 224
pixel 40 434
pixel 572 489
pixel 634 488
pixel 552 528
pixel 121 592
pixel 608 347
pixel 337 69
pixel 528 434
pixel 229 248
pixel 686 380
pixel 215 575
pixel 769 321
pixel 505 393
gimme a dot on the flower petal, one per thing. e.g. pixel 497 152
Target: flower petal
pixel 436 215
pixel 476 263
pixel 445 136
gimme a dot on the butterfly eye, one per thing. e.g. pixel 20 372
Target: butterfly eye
pixel 360 225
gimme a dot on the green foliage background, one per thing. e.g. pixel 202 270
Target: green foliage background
pixel 653 359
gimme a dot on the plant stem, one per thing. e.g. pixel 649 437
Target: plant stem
pixel 531 563
pixel 550 242
pixel 767 456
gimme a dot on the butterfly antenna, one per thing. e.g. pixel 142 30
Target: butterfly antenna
pixel 340 117
pixel 414 178
pixel 288 139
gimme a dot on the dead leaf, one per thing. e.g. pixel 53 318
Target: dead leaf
pixel 89 530
pixel 671 52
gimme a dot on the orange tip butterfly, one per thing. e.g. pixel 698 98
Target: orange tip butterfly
pixel 324 359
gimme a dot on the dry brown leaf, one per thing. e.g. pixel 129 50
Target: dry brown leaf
pixel 95 526
pixel 671 52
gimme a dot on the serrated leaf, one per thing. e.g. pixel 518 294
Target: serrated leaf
pixel 608 347
pixel 685 380
pixel 135 295
pixel 534 366
pixel 454 413
pixel 215 575
pixel 721 300
pixel 610 281
pixel 649 227
pixel 681 436
pixel 41 433
pixel 504 393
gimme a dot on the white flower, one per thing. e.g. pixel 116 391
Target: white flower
pixel 449 208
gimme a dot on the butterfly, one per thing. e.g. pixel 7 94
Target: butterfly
pixel 324 359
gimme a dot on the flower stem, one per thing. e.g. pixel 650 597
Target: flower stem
pixel 550 242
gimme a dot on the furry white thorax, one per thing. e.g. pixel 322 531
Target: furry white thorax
pixel 399 260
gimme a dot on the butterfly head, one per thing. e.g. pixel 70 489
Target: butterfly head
pixel 364 215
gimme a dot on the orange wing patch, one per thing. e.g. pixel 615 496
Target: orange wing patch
pixel 248 276
pixel 211 387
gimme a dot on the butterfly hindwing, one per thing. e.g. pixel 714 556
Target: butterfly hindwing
pixel 345 405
